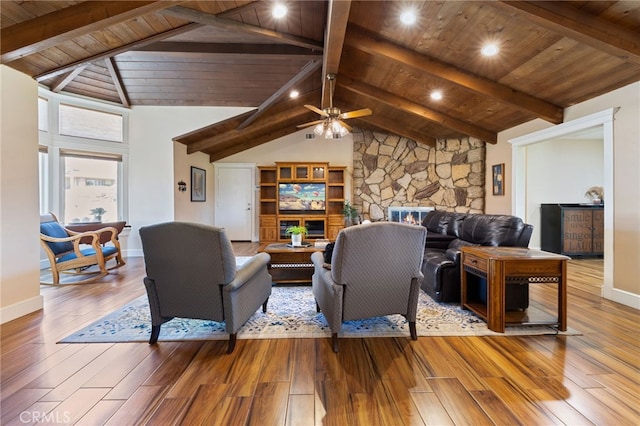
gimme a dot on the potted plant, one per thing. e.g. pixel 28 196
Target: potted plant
pixel 97 213
pixel 350 214
pixel 296 232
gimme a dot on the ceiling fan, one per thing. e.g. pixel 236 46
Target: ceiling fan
pixel 332 124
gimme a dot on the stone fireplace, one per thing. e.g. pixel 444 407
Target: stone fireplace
pixel 390 170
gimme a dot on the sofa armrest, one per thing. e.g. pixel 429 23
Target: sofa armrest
pixel 438 241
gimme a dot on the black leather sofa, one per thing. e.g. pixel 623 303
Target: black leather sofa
pixel 448 232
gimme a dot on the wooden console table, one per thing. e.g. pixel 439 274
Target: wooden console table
pixel 502 265
pixel 289 265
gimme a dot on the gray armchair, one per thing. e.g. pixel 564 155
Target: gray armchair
pixel 191 273
pixel 375 271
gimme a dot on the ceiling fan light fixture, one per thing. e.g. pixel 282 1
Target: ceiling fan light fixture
pixel 330 128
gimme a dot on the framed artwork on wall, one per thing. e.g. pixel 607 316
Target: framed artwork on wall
pixel 498 179
pixel 198 184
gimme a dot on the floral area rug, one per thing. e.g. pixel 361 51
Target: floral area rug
pixel 291 313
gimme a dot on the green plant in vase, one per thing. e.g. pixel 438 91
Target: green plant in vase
pixel 97 213
pixel 350 214
pixel 297 232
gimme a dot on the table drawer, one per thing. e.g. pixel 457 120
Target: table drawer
pixel 475 262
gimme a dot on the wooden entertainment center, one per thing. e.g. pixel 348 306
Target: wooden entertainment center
pixel 323 220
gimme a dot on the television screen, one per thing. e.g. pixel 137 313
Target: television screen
pixel 301 196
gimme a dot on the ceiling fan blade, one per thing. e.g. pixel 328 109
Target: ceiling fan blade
pixel 316 110
pixel 358 113
pixel 311 123
pixel 346 126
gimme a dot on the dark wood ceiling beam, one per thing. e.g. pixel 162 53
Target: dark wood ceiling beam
pixel 192 15
pixel 393 127
pixel 43 32
pixel 411 107
pixel 564 19
pixel 366 42
pixel 306 71
pixel 113 52
pixel 212 129
pixel 117 81
pixel 252 143
pixel 260 51
pixel 231 138
pixel 62 82
pixel 337 19
pixel 296 108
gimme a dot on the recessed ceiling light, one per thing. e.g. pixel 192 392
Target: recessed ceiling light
pixel 436 95
pixel 408 17
pixel 490 50
pixel 294 94
pixel 279 11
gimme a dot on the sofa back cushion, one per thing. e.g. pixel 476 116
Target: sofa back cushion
pixel 492 230
pixel 454 226
pixel 436 221
pixel 55 230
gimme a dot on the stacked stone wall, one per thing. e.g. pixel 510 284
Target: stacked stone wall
pixel 390 170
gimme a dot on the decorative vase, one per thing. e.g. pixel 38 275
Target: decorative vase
pixel 296 240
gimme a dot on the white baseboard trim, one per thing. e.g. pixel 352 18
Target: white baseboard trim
pixel 17 310
pixel 132 253
pixel 626 298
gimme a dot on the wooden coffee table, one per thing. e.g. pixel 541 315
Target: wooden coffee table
pixel 289 265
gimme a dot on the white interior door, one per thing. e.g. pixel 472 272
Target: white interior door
pixel 235 199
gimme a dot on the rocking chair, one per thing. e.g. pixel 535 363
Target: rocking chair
pixel 75 252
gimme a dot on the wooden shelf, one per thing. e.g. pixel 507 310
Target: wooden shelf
pixel 321 224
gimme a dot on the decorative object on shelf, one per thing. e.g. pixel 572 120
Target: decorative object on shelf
pixel 296 232
pixel 350 214
pixel 498 179
pixel 198 184
pixel 595 194
pixel 182 186
pixel 331 126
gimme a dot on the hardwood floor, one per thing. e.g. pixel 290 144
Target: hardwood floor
pixel 588 379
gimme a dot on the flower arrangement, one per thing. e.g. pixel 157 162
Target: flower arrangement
pixel 595 194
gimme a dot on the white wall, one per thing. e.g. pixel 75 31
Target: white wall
pixel 560 171
pixel 19 205
pixel 185 210
pixel 153 185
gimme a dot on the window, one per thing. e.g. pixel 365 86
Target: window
pixel 89 123
pixel 82 171
pixel 91 187
pixel 43 170
pixel 43 114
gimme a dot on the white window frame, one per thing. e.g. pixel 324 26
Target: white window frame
pixel 55 142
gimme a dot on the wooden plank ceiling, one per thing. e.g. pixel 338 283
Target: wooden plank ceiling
pixel 552 55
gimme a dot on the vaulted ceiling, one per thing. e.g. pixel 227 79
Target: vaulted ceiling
pixel 553 54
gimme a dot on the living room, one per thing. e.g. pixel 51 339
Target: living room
pixel 157 164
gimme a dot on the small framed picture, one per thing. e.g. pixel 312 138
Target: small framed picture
pixel 198 184
pixel 498 179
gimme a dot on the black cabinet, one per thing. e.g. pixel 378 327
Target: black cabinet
pixel 572 229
